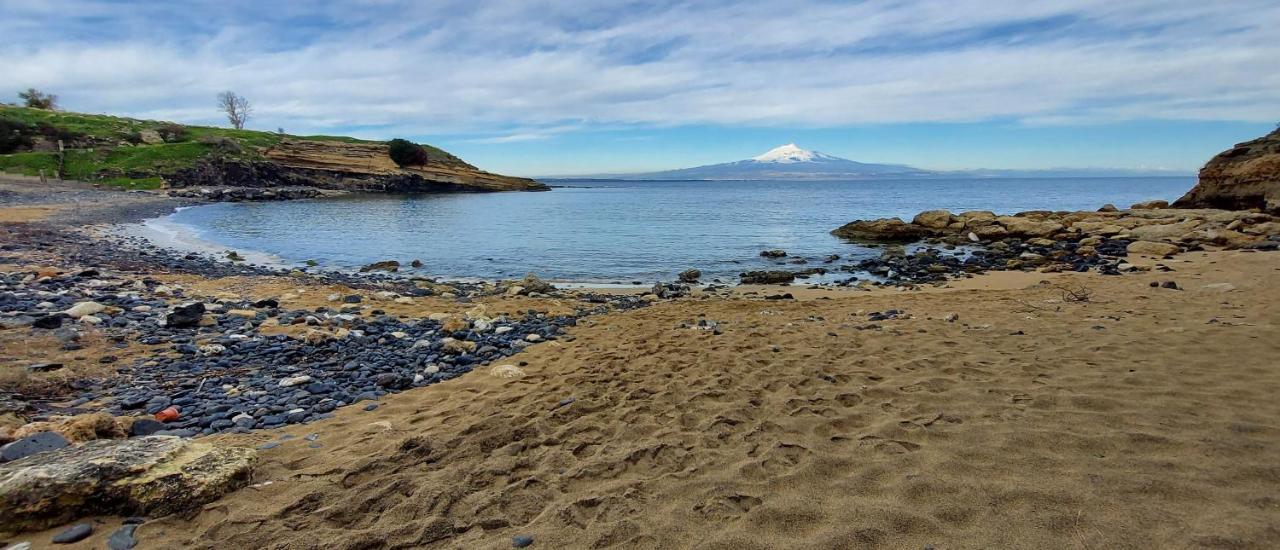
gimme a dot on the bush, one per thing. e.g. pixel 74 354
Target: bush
pixel 407 153
pixel 54 133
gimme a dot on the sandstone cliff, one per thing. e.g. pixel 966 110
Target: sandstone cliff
pixel 1244 177
pixel 351 166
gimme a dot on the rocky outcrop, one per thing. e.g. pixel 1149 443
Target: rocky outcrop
pixel 153 475
pixel 1221 228
pixel 1245 177
pixel 241 194
pixel 347 166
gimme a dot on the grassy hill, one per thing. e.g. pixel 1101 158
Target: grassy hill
pixel 125 151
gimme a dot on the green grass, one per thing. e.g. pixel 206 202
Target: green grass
pixel 112 165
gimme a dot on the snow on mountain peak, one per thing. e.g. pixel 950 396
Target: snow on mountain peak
pixel 789 153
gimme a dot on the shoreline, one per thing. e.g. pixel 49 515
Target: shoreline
pixel 893 415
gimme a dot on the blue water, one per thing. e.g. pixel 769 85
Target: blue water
pixel 625 231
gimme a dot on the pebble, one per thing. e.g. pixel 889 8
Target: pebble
pixel 521 541
pixel 123 539
pixel 75 533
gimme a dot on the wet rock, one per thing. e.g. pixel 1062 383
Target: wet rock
pixel 390 266
pixel 690 276
pixel 766 277
pixel 156 475
pixel 886 230
pixel 775 253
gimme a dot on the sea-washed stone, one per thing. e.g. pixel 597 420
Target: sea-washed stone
pixel 154 475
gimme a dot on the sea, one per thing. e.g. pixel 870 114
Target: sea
pixel 620 232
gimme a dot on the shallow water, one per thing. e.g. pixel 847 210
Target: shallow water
pixel 625 231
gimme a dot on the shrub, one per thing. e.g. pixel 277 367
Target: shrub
pixel 37 99
pixel 407 153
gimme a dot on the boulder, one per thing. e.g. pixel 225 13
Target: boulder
pixel 533 285
pixel 150 137
pixel 390 266
pixel 775 253
pixel 152 475
pixel 767 277
pixel 184 316
pixel 1246 176
pixel 885 229
pixel 1019 226
pixel 933 219
pixel 1150 205
pixel 977 218
pixel 690 276
pixel 1151 248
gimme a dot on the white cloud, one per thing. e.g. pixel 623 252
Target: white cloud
pixel 413 68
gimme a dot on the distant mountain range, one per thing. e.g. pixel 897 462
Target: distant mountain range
pixel 790 162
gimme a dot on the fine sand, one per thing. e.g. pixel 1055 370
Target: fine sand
pixel 1145 418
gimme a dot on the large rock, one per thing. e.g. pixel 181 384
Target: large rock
pixel 153 475
pixel 885 229
pixel 1019 226
pixel 188 315
pixel 767 277
pixel 391 266
pixel 1244 177
pixel 933 219
pixel 1151 248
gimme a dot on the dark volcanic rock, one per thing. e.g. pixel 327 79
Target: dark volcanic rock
pixel 27 446
pixel 767 277
pixel 185 316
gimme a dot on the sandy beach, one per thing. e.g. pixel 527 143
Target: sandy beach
pixel 1002 410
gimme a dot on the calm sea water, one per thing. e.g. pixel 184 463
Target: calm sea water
pixel 625 231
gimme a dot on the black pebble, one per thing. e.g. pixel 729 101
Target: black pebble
pixel 75 533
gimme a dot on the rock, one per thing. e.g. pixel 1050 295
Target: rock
pixel 952 317
pixel 416 263
pixel 294 380
pixel 145 426
pixel 506 371
pixel 533 285
pixel 1019 226
pixel 24 545
pixel 352 299
pixel 75 533
pixel 153 475
pixel 246 313
pixel 455 346
pixel 690 276
pixel 212 349
pixel 390 266
pixel 185 316
pixel 27 446
pixel 887 230
pixel 1149 205
pixel 933 219
pixel 766 277
pixel 521 541
pixel 775 253
pixel 150 137
pixel 44 367
pixel 1108 208
pixel 1151 248
pixel 122 538
pixel 84 308
pixel 1243 177
pixel 533 337
pixel 1172 285
pixel 268 303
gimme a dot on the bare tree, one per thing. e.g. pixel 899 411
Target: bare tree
pixel 236 107
pixel 37 99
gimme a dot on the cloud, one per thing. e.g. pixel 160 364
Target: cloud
pixel 393 67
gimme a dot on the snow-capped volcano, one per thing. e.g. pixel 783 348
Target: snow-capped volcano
pixel 787 162
pixel 791 153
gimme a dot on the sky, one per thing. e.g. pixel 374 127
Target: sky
pixel 545 87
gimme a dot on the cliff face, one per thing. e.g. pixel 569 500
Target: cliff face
pixel 346 166
pixel 1246 176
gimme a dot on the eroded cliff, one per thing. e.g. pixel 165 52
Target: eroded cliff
pixel 1244 177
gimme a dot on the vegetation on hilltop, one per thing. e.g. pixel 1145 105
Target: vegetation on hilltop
pixel 129 152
